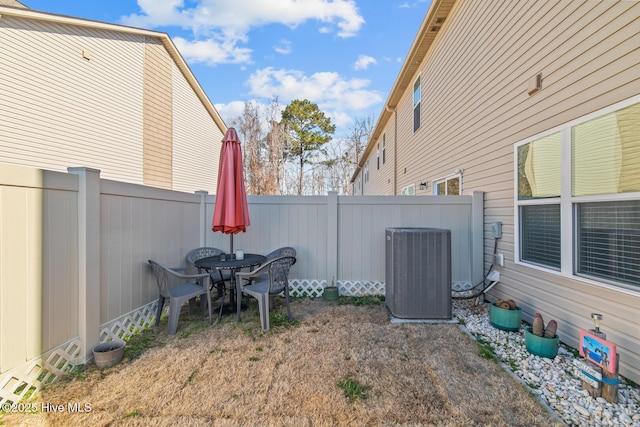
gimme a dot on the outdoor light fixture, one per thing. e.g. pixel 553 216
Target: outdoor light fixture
pixel 423 185
pixel 596 321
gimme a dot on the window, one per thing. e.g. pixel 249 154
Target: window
pixel 416 104
pixel 578 197
pixel 384 148
pixel 378 156
pixel 366 171
pixel 409 190
pixel 447 186
pixel 539 179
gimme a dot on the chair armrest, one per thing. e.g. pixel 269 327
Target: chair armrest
pixel 187 276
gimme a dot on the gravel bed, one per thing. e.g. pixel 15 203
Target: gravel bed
pixel 554 381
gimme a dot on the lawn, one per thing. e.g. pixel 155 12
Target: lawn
pixel 337 364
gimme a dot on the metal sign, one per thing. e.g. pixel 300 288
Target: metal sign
pixel 599 351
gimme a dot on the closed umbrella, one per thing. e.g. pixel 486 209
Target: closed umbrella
pixel 230 213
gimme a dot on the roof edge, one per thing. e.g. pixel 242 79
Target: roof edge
pixel 437 8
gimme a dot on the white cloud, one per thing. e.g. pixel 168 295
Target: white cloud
pixel 212 52
pixel 228 22
pixel 341 98
pixel 283 47
pixel 363 62
pixel 323 88
pixel 230 111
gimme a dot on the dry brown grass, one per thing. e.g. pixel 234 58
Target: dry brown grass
pixel 232 374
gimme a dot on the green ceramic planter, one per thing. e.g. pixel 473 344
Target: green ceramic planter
pixel 331 293
pixel 541 346
pixel 506 320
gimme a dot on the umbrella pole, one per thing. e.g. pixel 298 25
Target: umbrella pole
pixel 231 244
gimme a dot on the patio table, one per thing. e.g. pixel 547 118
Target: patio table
pixel 229 262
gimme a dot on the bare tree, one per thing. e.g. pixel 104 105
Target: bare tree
pixel 251 131
pixel 343 156
pixel 358 137
pixel 276 148
pixel 263 150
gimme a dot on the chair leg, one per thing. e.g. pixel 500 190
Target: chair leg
pixel 263 307
pixel 238 303
pixel 174 314
pixel 208 295
pixel 192 303
pixel 221 305
pixel 286 297
pixel 159 311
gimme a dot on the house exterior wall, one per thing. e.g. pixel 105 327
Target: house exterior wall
pixel 157 116
pixel 380 166
pixel 476 107
pixel 197 140
pixel 75 92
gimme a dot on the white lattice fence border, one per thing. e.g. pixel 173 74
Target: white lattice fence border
pixel 29 378
pixel 131 323
pixel 352 288
pixel 315 288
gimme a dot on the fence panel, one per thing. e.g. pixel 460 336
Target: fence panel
pixel 74 251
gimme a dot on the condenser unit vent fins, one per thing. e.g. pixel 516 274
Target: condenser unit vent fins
pixel 418 273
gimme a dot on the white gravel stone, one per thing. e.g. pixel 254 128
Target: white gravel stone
pixel 556 380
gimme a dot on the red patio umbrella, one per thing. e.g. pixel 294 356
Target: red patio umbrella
pixel 231 213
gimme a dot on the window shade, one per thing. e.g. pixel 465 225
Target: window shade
pixel 606 154
pixel 609 241
pixel 540 235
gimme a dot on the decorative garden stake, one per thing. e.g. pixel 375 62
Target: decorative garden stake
pixel 599 368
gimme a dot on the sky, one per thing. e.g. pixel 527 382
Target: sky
pixel 343 55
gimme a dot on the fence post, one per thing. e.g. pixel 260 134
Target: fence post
pixel 332 237
pixel 477 237
pixel 202 227
pixel 88 258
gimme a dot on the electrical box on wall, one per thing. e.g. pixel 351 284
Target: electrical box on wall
pixel 496 229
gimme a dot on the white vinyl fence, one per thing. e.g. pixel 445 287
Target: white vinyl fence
pixel 74 251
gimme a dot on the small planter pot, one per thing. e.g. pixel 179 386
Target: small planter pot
pixel 331 293
pixel 506 320
pixel 108 353
pixel 541 346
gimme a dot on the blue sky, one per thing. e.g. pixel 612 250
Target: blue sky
pixel 344 55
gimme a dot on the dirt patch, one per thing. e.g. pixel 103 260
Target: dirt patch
pixel 232 374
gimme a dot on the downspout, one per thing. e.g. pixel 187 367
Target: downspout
pixel 395 147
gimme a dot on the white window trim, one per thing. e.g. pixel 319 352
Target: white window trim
pixel 567 201
pixel 436 181
pixel 409 190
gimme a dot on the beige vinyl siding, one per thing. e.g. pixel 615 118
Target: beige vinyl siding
pixel 475 107
pixel 384 176
pixel 59 109
pixel 84 93
pixel 196 140
pixel 409 143
pixel 157 96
